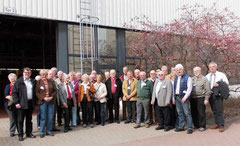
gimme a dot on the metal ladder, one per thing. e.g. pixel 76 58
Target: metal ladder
pixel 88 24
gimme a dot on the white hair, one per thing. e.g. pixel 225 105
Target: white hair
pixel 43 71
pixel 179 66
pixel 85 76
pixel 78 73
pixel 107 72
pixel 152 71
pixel 136 70
pixel 59 72
pixel 142 73
pixel 164 67
pixel 112 70
pixel 12 75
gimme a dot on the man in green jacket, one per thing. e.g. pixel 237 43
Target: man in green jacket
pixel 144 93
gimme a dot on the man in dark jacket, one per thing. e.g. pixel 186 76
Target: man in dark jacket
pixel 24 100
pixel 114 89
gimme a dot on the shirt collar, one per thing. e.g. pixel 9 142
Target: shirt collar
pixel 214 73
pixel 85 84
pixel 24 79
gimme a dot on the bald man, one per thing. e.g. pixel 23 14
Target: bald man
pixel 199 98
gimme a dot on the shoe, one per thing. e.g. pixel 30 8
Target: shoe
pixel 214 126
pixel 159 128
pixel 118 121
pixel 65 130
pixel 221 129
pixel 178 130
pixel 50 134
pixel 150 123
pixel 55 129
pixel 91 125
pixel 20 138
pixel 102 124
pixel 201 129
pixel 41 135
pixel 69 129
pixel 167 129
pixel 127 121
pixel 137 126
pixel 190 131
pixel 196 127
pixel 147 125
pixel 12 135
pixel 84 125
pixel 110 122
pixel 31 135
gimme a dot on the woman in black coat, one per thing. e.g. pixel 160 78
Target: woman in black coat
pixel 8 104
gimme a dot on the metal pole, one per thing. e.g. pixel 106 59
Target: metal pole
pixel 80 38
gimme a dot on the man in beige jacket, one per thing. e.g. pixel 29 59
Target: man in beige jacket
pixel 129 89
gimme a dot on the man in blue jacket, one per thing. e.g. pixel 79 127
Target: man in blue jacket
pixel 182 91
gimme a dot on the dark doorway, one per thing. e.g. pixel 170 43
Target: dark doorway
pixel 25 42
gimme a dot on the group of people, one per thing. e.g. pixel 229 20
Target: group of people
pixel 167 100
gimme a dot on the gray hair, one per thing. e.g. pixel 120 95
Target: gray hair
pixel 164 67
pixel 54 68
pixel 197 67
pixel 213 63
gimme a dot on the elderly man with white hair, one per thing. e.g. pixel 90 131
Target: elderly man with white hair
pixel 182 91
pixel 52 76
pixel 54 71
pixel 216 102
pixel 78 81
pixel 114 90
pixel 144 94
pixel 59 80
pixel 199 98
pixel 136 74
pixel 161 97
pixel 68 100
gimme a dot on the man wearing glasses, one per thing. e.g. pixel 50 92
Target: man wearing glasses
pixel 24 100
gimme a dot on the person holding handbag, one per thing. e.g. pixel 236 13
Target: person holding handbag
pixel 85 100
pixel 8 104
pixel 45 91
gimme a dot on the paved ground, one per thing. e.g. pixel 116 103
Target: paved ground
pixel 122 134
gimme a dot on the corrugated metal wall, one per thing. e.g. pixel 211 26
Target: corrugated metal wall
pixel 110 12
